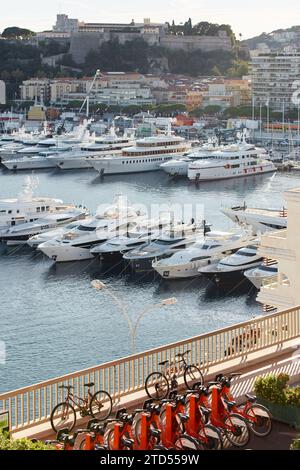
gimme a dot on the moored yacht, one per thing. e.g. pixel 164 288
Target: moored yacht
pixel 179 237
pixel 147 155
pixel 264 272
pixel 82 157
pixel 261 220
pixel 75 245
pixel 20 233
pixel 26 208
pixel 147 231
pixel 36 240
pixel 186 263
pixel 179 166
pixel 232 161
pixel 232 268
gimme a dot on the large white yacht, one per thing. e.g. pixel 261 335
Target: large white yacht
pixel 34 161
pixel 147 231
pixel 26 208
pixel 35 240
pixel 76 244
pixel 265 271
pixel 178 238
pixel 82 157
pixel 261 220
pixel 231 269
pixel 233 161
pixel 63 214
pixel 186 263
pixel 179 166
pixel 147 155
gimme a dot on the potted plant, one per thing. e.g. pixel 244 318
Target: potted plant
pixel 282 400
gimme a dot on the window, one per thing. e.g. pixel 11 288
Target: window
pixel 85 228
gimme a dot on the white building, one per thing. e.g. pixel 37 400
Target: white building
pixel 284 246
pixel 35 88
pixel 64 24
pixel 275 80
pixel 2 92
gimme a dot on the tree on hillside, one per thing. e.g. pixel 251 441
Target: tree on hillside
pixel 14 32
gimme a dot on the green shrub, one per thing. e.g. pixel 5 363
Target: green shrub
pixel 274 388
pixel 295 445
pixel 7 443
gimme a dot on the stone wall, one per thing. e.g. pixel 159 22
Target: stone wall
pixel 82 43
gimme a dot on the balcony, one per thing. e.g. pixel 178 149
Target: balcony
pixel 274 245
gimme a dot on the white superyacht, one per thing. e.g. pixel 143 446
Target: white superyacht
pixel 146 155
pixel 233 161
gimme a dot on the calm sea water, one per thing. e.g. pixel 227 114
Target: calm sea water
pixel 53 322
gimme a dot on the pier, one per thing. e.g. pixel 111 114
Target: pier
pixel 261 345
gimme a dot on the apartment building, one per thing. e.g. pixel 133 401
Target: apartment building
pixel 275 80
pixel 283 246
pixel 35 88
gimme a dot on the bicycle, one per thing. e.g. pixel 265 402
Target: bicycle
pixel 121 437
pixel 258 416
pixel 197 424
pixel 147 426
pixel 94 438
pixel 98 405
pixel 172 421
pixel 158 384
pixel 65 441
pixel 234 426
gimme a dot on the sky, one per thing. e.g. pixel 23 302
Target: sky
pixel 249 18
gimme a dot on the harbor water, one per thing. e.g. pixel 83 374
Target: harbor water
pixel 53 322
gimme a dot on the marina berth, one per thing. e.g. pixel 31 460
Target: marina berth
pixel 61 216
pixel 178 238
pixel 82 157
pixel 75 245
pixel 262 273
pixel 147 155
pixel 233 161
pixel 35 240
pixel 145 232
pixel 230 270
pixel 186 263
pixel 261 220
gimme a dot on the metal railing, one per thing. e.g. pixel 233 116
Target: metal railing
pixel 32 405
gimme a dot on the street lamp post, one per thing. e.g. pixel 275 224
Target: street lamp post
pixel 133 327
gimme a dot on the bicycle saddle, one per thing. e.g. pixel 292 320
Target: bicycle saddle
pixel 205 411
pixel 183 418
pixel 128 442
pixel 163 363
pixel 66 387
pixel 251 398
pixel 155 432
pixel 230 404
pixel 91 384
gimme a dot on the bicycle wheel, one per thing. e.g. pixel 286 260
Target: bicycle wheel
pixel 63 416
pixel 259 419
pixel 210 437
pixel 237 430
pixel 101 405
pixel 157 386
pixel 186 442
pixel 192 374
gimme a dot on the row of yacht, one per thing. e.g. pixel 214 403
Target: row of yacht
pixel 111 154
pixel 174 249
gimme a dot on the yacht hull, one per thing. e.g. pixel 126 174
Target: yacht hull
pixel 29 164
pixel 204 175
pixel 119 165
pixel 65 254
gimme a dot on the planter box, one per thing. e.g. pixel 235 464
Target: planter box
pixel 288 414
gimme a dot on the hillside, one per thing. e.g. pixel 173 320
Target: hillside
pixel 276 39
